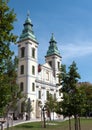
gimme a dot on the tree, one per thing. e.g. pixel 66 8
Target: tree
pixel 66 107
pixel 9 88
pixel 7 17
pixel 73 98
pixel 72 81
pixel 4 93
pixel 87 88
pixel 58 107
pixel 28 107
pixel 50 105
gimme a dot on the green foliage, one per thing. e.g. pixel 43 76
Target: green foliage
pixel 7 17
pixel 50 104
pixel 9 90
pixel 8 87
pixel 58 107
pixel 73 76
pixel 73 100
pixel 87 89
pixel 27 107
pixel 62 74
pixel 4 92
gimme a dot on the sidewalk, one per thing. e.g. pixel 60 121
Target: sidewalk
pixel 17 122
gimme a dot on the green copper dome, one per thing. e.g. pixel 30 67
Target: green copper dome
pixel 53 50
pixel 27 32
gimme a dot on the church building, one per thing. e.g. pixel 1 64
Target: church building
pixel 37 80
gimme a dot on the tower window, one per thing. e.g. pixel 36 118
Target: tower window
pixel 22 52
pixel 33 69
pixel 39 94
pixel 33 52
pixel 22 69
pixel 58 65
pixel 50 63
pixel 33 87
pixel 21 86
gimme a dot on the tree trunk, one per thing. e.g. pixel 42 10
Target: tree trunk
pixel 50 115
pixel 44 122
pixel 76 122
pixel 69 123
pixel 79 123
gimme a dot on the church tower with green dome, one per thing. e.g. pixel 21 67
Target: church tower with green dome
pixel 36 80
pixel 28 62
pixel 27 32
pixel 53 56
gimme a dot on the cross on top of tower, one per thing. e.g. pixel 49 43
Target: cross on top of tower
pixel 28 13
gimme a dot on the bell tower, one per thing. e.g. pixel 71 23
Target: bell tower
pixel 28 61
pixel 53 56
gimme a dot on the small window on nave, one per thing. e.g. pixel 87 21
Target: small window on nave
pixel 39 94
pixel 21 86
pixel 33 87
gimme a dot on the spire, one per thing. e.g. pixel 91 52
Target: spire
pixel 52 37
pixel 27 32
pixel 28 14
pixel 53 50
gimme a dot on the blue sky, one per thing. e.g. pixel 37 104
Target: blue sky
pixel 71 23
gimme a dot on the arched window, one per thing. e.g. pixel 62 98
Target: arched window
pixel 33 52
pixel 21 86
pixel 33 87
pixel 33 69
pixel 22 69
pixel 22 52
pixel 50 63
pixel 39 94
pixel 58 64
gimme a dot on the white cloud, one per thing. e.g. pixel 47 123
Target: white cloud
pixel 70 51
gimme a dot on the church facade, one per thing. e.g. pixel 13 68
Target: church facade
pixel 36 80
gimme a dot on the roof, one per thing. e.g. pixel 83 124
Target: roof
pixel 53 49
pixel 27 32
pixel 47 66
